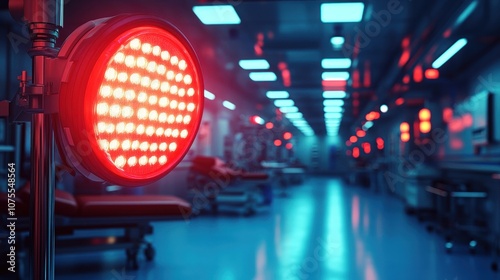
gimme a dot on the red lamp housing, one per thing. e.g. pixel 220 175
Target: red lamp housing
pixel 131 99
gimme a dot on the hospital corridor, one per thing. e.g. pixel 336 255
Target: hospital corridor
pixel 249 140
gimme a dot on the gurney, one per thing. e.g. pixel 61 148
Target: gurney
pixel 215 186
pixel 130 214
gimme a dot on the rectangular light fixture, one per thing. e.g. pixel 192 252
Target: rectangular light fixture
pixel 254 64
pixel 333 115
pixel 466 13
pixel 228 105
pixel 342 12
pixel 209 95
pixel 332 122
pixel 277 94
pixel 334 94
pixel 335 76
pixel 263 76
pixel 337 41
pixel 336 63
pixel 300 122
pixel 217 14
pixel 333 109
pixel 333 102
pixel 289 109
pixel 294 116
pixel 449 53
pixel 283 103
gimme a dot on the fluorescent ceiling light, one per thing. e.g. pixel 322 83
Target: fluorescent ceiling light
pixel 335 76
pixel 228 105
pixel 335 63
pixel 294 116
pixel 283 103
pixel 263 76
pixel 217 14
pixel 209 95
pixel 384 108
pixel 300 122
pixel 259 120
pixel 277 94
pixel 368 125
pixel 290 109
pixel 449 53
pixel 334 110
pixel 333 102
pixel 342 12
pixel 466 13
pixel 333 115
pixel 334 94
pixel 337 41
pixel 254 64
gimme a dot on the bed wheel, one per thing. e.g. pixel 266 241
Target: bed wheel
pixel 149 252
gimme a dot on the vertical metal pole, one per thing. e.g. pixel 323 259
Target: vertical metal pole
pixel 42 186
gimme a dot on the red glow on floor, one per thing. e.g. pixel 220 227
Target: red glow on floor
pixel 355 79
pixel 367 77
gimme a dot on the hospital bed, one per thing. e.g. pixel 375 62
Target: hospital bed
pixel 214 186
pixel 116 221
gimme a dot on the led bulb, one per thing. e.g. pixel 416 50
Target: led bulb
pixel 119 57
pixel 120 161
pixel 143 160
pixel 110 74
pixel 135 44
pixel 144 146
pixel 162 160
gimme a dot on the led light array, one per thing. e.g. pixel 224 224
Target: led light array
pixel 145 104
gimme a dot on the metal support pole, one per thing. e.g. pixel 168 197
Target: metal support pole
pixel 42 187
pixel 44 18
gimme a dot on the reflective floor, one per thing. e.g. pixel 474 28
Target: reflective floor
pixel 321 230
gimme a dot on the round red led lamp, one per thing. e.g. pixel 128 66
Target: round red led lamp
pixel 131 99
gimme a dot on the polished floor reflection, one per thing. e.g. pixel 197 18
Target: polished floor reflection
pixel 323 229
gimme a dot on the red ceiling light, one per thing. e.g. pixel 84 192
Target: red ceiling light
pixel 269 125
pixel 353 139
pixel 131 99
pixel 404 128
pixel 418 74
pixel 432 74
pixel 355 152
pixel 277 143
pixel 400 101
pixel 380 143
pixel 424 116
pixel 289 146
pixel 367 148
pixel 287 135
pixel 360 133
